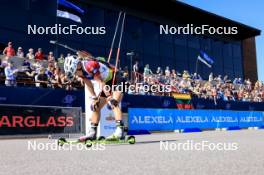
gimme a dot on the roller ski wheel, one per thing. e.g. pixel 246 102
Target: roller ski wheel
pixel 61 141
pixel 88 143
pixel 101 138
pixel 131 139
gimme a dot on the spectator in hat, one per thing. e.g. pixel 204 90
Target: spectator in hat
pixel 20 52
pixel 30 55
pixel 39 55
pixel 9 51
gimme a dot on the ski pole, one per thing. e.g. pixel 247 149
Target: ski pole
pixel 119 45
pixel 113 41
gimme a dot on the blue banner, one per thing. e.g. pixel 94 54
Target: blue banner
pixel 173 119
pixel 251 119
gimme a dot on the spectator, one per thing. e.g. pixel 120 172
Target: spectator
pixel 10 74
pixel 135 72
pixel 50 70
pixel 219 79
pixel 39 55
pixel 185 74
pixel 27 68
pixel 30 55
pixel 20 52
pixel 173 74
pixel 41 78
pixel 158 71
pixel 56 78
pixel 196 77
pixel 125 75
pixel 61 59
pixel 9 51
pixel 167 72
pixel 51 57
pixel 147 72
pixel 65 82
pixel 226 79
pixel 211 77
pixel 36 65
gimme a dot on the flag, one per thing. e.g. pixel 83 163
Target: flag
pixel 204 58
pixel 69 10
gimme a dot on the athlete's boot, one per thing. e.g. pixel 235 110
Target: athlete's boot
pixel 119 132
pixel 91 133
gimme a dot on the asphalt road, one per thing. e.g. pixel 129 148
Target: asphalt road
pixel 239 152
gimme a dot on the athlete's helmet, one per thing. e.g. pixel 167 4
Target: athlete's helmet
pixel 70 66
pixel 92 66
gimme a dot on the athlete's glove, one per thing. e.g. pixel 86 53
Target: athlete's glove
pixel 95 103
pixel 112 103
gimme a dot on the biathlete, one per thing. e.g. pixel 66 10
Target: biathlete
pixel 103 73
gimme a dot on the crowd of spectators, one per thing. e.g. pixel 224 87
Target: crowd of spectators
pixel 36 69
pixel 215 87
pixel 45 71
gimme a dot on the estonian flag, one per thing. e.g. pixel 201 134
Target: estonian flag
pixel 204 58
pixel 69 10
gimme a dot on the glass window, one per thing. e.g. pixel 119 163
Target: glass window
pixel 133 35
pixel 180 40
pixel 166 49
pixel 193 54
pixel 151 38
pixel 168 61
pixel 152 60
pixel 110 24
pixel 237 50
pixel 230 73
pixel 193 42
pixel 181 53
pixel 227 55
pixel 217 55
pixel 181 65
pixel 205 44
pixel 238 65
pixel 166 38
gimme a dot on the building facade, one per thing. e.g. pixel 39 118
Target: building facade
pixel 234 56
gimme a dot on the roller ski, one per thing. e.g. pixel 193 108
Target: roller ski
pixel 118 137
pixel 100 140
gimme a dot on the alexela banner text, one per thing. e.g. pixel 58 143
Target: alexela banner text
pixel 173 119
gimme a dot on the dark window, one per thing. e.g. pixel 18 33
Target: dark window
pixel 151 38
pixel 193 42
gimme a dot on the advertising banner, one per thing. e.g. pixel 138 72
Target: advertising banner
pixel 173 119
pixel 251 119
pixel 18 119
